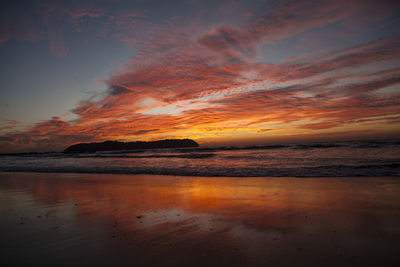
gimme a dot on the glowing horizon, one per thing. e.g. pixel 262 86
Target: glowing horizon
pixel 232 72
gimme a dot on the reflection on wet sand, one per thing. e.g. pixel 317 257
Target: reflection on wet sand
pixel 69 219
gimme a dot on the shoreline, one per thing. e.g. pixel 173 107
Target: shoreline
pixel 196 176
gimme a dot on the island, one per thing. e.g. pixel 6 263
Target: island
pixel 116 145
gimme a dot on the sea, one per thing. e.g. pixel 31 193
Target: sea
pixel 367 158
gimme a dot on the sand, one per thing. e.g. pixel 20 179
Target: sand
pixel 144 220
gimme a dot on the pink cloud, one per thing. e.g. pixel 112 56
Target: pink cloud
pixel 10 124
pixel 217 67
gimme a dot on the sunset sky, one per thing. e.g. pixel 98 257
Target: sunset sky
pixel 219 72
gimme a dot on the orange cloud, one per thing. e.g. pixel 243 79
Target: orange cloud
pixel 209 84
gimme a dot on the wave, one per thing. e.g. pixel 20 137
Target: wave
pixel 184 156
pixel 319 171
pixel 376 144
pixel 328 159
pixel 312 146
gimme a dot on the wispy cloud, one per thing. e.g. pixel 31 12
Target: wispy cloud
pixel 10 124
pixel 222 68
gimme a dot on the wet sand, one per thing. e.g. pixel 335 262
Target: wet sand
pixel 144 220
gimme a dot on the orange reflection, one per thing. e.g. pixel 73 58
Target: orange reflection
pixel 178 220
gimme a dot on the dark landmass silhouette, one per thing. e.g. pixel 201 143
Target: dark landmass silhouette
pixel 116 145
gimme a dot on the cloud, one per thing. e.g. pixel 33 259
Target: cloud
pixel 52 21
pixel 10 124
pixel 386 49
pixel 143 132
pixel 229 42
pixel 221 85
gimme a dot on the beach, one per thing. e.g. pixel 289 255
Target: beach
pixel 73 219
pixel 200 133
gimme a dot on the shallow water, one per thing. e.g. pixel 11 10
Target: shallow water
pixel 143 220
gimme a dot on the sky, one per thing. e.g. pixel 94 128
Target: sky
pixel 219 72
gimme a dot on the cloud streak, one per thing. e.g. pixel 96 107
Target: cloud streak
pixel 186 81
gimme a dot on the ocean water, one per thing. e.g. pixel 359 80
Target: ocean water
pixel 329 159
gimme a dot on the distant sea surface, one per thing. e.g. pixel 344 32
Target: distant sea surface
pixel 328 159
